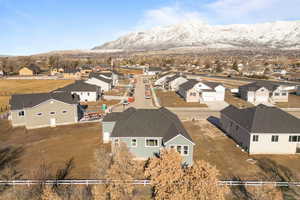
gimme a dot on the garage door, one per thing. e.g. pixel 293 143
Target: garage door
pixel 261 99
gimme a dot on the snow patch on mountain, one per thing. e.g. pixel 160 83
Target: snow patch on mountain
pixel 279 35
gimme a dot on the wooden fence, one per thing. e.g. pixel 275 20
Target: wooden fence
pixel 138 182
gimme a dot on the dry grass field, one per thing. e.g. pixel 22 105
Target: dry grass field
pixel 54 146
pixel 171 99
pixel 294 102
pixel 9 87
pixel 236 101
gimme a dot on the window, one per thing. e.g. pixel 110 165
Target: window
pixel 172 147
pixel 52 113
pixel 283 94
pixel 22 113
pixel 39 114
pixel 294 138
pixel 64 111
pixel 193 94
pixel 179 149
pixel 275 138
pixel 133 143
pixel 151 143
pixel 255 138
pixel 88 94
pixel 116 141
pixel 185 150
pixel 276 94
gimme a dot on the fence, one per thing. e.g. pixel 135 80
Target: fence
pixel 138 182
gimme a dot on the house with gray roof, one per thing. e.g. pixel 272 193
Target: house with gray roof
pixel 85 91
pixel 151 71
pixel 146 131
pixel 172 83
pixel 262 129
pixel 264 92
pixel 201 91
pixel 44 109
pixel 101 80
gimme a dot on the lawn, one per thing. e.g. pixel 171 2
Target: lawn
pixel 294 102
pixel 219 150
pixel 171 99
pixel 9 87
pixel 54 146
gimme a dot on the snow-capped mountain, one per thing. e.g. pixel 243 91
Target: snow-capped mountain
pixel 280 35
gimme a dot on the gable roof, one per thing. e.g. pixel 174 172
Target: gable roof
pixel 212 85
pixel 172 78
pixel 99 77
pixel 20 101
pixel 189 84
pixel 147 123
pixel 263 119
pixel 79 86
pixel 259 84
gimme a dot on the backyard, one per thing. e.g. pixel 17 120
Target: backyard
pixel 219 150
pixel 171 99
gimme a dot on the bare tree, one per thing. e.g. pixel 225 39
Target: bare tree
pixel 172 180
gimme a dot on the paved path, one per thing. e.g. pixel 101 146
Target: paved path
pixel 139 96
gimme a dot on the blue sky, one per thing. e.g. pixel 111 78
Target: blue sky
pixel 32 26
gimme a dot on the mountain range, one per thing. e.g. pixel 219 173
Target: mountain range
pixel 283 35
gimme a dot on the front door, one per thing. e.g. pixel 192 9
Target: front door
pixel 52 122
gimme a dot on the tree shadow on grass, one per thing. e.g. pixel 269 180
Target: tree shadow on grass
pixel 9 158
pixel 279 173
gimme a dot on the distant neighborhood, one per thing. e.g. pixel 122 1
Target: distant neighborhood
pixel 150 109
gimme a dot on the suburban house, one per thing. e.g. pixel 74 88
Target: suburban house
pixel 162 79
pixel 172 83
pixel 147 131
pixel 85 91
pixel 56 71
pixel 99 80
pixel 44 109
pixel 253 71
pixel 151 71
pixel 263 92
pixel 110 75
pixel 201 91
pixel 262 129
pixel 29 70
pixel 72 74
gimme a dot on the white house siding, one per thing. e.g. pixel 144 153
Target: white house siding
pixel 259 96
pixel 280 95
pixel 103 85
pixel 174 85
pixel 86 96
pixel 192 95
pixel 266 146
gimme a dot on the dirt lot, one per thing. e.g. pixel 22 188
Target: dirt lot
pixel 236 101
pixel 9 87
pixel 294 102
pixel 118 91
pixel 219 150
pixel 171 99
pixel 54 146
